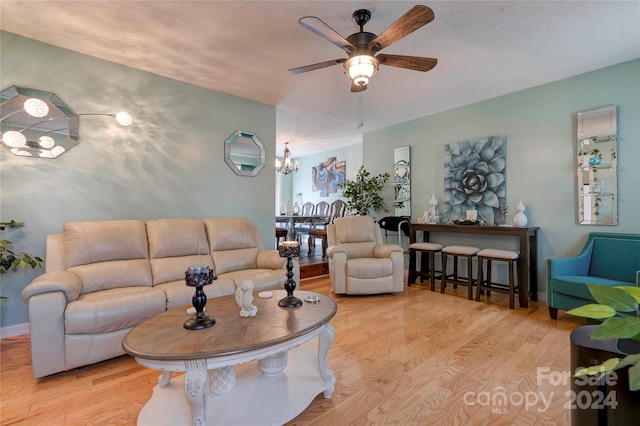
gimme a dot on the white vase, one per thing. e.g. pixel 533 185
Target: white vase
pixel 520 219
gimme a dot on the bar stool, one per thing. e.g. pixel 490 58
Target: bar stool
pixel 427 249
pixel 457 252
pixel 487 285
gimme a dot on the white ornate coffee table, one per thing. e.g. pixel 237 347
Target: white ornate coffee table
pixel 222 384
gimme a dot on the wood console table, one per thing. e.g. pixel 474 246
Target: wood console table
pixel 527 246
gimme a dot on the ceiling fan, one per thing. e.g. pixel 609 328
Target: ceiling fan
pixel 362 64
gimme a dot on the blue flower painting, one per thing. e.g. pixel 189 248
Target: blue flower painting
pixel 475 179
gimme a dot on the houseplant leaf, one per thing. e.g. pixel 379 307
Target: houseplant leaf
pixel 618 299
pixel 634 377
pixel 617 328
pixel 593 311
pixel 609 365
pixel 633 291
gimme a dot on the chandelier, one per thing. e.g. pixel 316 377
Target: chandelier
pixel 287 165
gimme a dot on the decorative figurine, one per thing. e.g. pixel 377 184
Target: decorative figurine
pixel 244 299
pixel 433 215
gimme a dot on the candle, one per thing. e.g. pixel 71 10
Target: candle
pixel 197 269
pixel 290 244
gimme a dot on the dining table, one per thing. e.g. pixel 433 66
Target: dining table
pixel 312 220
pixel 527 246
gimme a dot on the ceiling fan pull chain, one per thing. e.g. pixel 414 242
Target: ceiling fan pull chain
pixel 360 112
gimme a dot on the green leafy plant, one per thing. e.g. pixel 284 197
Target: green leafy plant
pixel 363 194
pixel 10 260
pixel 618 307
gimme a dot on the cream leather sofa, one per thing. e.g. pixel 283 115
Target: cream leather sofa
pixel 103 278
pixel 359 262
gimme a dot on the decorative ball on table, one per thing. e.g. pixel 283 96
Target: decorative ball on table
pixel 289 249
pixel 198 277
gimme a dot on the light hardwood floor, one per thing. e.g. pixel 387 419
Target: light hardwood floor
pixel 416 358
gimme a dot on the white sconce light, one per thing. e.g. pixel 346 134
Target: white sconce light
pixel 288 165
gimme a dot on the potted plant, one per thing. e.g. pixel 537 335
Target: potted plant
pixel 9 260
pixel 363 194
pixel 618 307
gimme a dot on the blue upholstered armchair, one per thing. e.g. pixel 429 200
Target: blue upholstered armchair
pixel 606 258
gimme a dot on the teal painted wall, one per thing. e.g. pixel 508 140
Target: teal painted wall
pixel 169 163
pixel 540 124
pixel 301 181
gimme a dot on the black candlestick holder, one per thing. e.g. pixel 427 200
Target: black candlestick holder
pixel 289 249
pixel 198 277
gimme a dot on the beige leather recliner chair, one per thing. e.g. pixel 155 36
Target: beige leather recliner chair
pixel 359 263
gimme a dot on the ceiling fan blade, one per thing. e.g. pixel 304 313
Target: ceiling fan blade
pixel 326 32
pixel 355 88
pixel 409 22
pixel 317 66
pixel 409 62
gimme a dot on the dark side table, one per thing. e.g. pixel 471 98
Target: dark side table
pixel 604 402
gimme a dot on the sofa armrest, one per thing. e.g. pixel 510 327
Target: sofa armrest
pixel 49 282
pixel 385 250
pixel 47 333
pixel 270 259
pixel 577 265
pixel 332 250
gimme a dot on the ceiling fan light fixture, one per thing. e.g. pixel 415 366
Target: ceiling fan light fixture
pixel 361 68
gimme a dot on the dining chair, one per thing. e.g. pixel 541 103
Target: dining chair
pixel 338 208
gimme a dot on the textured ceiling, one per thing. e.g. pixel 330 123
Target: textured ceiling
pixel 484 49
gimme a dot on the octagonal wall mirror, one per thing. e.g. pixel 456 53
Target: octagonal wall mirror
pixel 244 153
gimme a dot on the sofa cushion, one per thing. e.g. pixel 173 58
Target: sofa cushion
pixel 107 275
pixel 575 285
pixel 174 246
pixel 357 235
pixel 178 293
pixel 176 237
pixel 101 241
pixel 114 309
pixel 233 243
pixel 368 268
pixel 615 258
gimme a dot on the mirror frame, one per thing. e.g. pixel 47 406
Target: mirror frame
pixel 228 153
pixel 402 181
pixel 597 166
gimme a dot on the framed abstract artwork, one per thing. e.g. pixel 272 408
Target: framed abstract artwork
pixel 475 179
pixel 326 176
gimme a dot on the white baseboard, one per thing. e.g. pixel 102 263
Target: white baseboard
pixel 542 297
pixel 14 330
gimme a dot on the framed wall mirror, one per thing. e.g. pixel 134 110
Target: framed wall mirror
pixel 402 181
pixel 244 153
pixel 597 152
